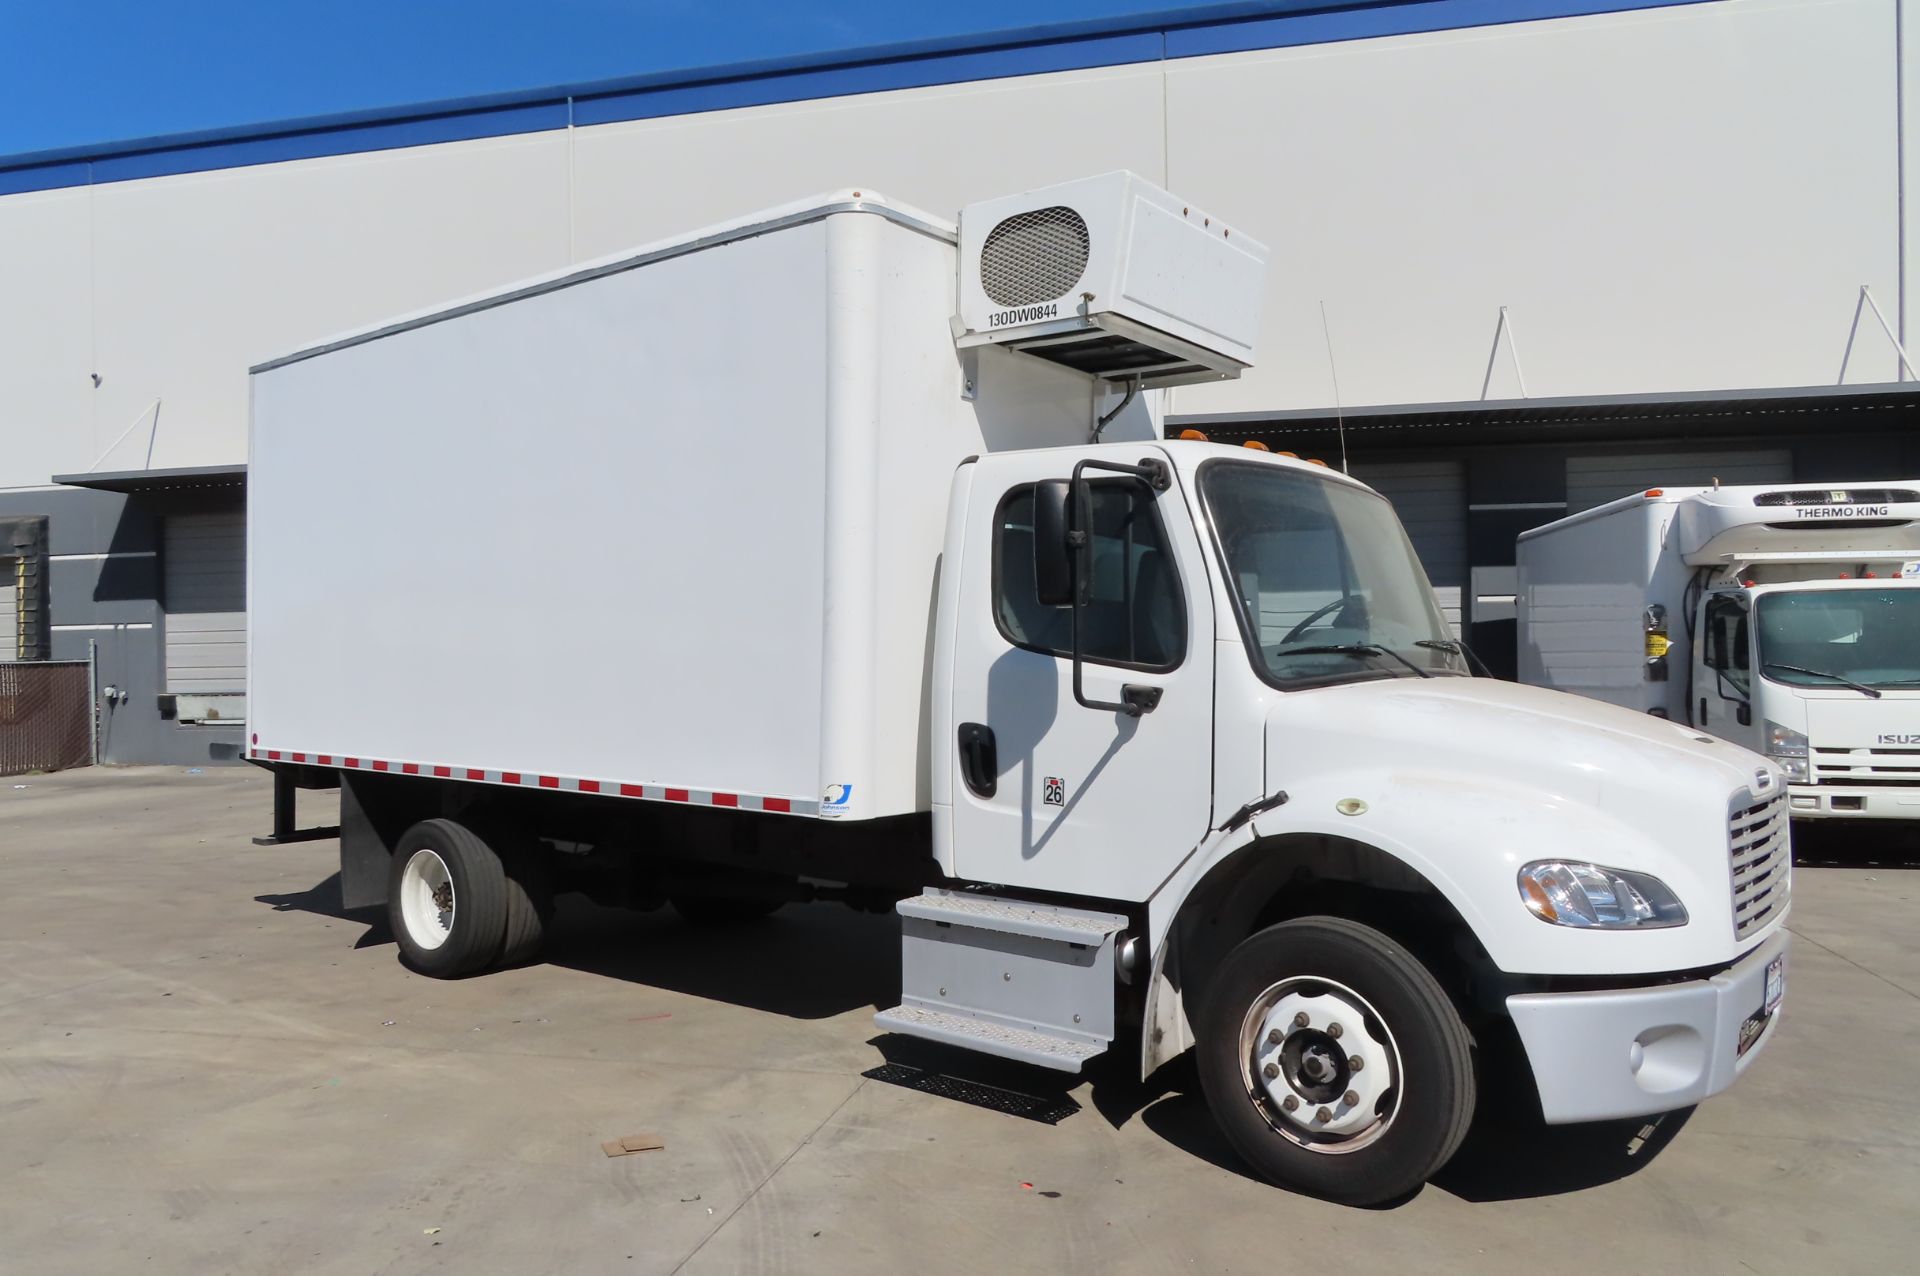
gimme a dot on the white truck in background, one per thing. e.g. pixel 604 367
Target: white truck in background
pixel 1785 618
pixel 833 553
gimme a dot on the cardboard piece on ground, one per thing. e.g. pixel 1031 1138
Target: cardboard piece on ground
pixel 633 1143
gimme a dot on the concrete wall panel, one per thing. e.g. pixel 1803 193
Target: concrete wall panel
pixel 199 276
pixel 46 344
pixel 934 148
pixel 1669 200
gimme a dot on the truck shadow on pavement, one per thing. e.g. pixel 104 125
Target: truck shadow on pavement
pixel 834 959
pixel 1506 1156
pixel 838 961
pixel 807 961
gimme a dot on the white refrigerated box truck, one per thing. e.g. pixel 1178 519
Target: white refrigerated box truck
pixel 832 554
pixel 1784 618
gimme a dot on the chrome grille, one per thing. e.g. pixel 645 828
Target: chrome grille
pixel 1762 859
pixel 1034 256
pixel 1885 767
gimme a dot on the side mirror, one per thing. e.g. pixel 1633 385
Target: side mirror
pixel 1052 554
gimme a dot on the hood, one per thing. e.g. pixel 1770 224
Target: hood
pixel 1466 779
pixel 1573 748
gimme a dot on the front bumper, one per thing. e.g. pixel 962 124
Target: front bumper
pixel 1636 1051
pixel 1853 802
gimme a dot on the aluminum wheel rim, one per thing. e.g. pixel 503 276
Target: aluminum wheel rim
pixel 426 898
pixel 1364 1036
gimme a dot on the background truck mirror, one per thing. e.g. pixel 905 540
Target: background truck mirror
pixel 1052 556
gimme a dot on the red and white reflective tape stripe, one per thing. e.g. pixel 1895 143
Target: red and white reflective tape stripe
pixel 558 783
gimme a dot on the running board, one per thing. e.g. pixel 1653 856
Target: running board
pixel 1006 977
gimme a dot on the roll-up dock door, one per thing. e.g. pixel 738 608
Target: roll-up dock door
pixel 9 612
pixel 1431 499
pixel 205 582
pixel 1595 480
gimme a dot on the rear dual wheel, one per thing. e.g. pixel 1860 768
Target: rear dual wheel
pixel 1334 1061
pixel 459 903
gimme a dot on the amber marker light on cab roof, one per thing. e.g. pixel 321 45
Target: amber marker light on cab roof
pixel 1193 435
pixel 1256 445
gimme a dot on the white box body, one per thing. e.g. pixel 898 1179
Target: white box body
pixel 1582 588
pixel 672 519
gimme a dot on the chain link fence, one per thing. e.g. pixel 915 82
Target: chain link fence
pixel 46 715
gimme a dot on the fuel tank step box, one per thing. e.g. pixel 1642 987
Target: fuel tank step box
pixel 1006 977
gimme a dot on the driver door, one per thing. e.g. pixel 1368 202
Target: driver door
pixel 1047 793
pixel 1724 669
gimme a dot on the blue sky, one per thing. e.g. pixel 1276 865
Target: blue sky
pixel 76 72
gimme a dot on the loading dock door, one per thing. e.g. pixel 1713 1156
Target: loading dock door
pixel 205 581
pixel 9 612
pixel 1595 480
pixel 1431 499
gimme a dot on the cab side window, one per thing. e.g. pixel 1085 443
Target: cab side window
pixel 1135 613
pixel 1726 638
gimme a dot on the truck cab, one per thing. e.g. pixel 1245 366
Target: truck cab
pixel 1211 687
pixel 1807 611
pixel 1823 676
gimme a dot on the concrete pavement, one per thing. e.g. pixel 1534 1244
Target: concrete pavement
pixel 206 1067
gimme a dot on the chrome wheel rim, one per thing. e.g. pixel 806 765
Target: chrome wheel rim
pixel 1320 1065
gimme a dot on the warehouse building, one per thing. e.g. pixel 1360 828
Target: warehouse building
pixel 1527 255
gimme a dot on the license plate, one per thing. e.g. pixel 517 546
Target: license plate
pixel 1776 983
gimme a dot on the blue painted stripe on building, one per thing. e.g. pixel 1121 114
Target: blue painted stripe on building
pixel 17 181
pixel 873 77
pixel 1294 30
pixel 1225 28
pixel 318 143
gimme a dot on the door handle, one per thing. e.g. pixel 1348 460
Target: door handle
pixel 979 758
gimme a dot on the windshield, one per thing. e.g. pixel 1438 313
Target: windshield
pixel 1327 583
pixel 1869 636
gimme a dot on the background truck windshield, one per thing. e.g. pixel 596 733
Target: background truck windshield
pixel 1317 564
pixel 1871 636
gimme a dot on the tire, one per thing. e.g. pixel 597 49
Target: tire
pixel 448 900
pixel 723 910
pixel 529 904
pixel 1357 1136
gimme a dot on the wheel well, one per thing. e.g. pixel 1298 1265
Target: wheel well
pixel 1302 875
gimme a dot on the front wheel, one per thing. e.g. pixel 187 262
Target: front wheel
pixel 1334 1062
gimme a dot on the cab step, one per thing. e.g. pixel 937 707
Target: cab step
pixel 1006 977
pixel 989 1036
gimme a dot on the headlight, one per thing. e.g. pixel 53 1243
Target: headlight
pixel 1789 749
pixel 1587 895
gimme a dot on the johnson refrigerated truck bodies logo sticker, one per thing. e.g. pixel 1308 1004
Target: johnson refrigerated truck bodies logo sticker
pixel 835 801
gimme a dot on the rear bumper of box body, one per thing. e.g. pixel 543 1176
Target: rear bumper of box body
pixel 1856 802
pixel 1636 1051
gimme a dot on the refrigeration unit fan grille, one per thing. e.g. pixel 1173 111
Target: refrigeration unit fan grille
pixel 1034 256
